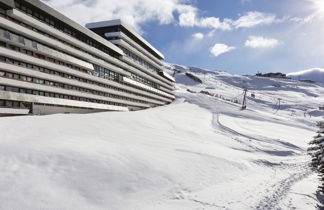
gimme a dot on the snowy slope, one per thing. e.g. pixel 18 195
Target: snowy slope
pixel 201 152
pixel 315 74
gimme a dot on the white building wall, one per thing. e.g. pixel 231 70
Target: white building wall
pixel 82 55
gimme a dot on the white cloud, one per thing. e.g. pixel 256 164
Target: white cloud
pixel 138 12
pixel 219 49
pixel 198 36
pixel 252 19
pixel 134 12
pixel 261 42
pixel 188 17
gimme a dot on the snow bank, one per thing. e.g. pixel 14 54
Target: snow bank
pixel 200 152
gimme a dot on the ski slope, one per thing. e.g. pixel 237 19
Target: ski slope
pixel 200 152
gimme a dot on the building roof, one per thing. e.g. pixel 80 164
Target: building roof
pixel 130 29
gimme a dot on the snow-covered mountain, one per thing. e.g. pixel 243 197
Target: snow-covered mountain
pixel 200 152
pixel 315 74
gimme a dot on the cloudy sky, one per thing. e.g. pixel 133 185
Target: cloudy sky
pixel 238 36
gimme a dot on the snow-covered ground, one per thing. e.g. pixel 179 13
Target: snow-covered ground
pixel 201 152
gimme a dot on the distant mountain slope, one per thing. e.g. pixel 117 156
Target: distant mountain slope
pixel 315 74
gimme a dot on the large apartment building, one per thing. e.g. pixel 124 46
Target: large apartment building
pixel 51 64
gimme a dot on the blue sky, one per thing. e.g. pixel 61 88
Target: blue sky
pixel 238 36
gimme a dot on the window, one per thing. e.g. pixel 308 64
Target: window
pixel 34 45
pixel 29 11
pixel 10 61
pixel 2 73
pixel 6 34
pixel 2 44
pixel 2 87
pixel 24 78
pixel 21 40
pixel 12 89
pixel 2 103
pixel 15 76
pixel 14 48
pixel 2 12
pixel 8 103
pixel 28 52
pixel 15 104
pixel 10 75
pixel 40 56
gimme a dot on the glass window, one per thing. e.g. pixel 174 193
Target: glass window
pixel 12 89
pixel 15 89
pixel 8 103
pixel 16 76
pixel 6 34
pixel 2 73
pixel 2 44
pixel 15 104
pixel 29 79
pixel 29 66
pixel 21 40
pixel 2 87
pixel 35 80
pixel 2 12
pixel 10 75
pixel 24 78
pixel 29 11
pixel 2 103
pixel 34 45
pixel 28 52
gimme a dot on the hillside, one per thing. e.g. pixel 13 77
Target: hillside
pixel 315 74
pixel 200 152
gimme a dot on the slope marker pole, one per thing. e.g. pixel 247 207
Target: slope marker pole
pixel 244 100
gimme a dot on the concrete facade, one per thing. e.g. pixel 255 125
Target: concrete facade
pixel 50 64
